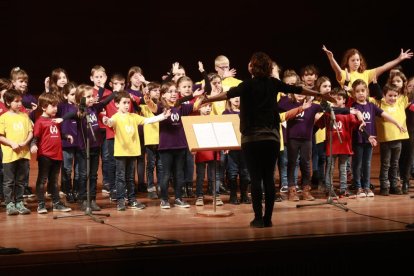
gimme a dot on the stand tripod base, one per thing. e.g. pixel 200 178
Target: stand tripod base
pixel 212 213
pixel 89 214
pixel 328 201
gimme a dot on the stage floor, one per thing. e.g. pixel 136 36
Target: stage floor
pixel 156 234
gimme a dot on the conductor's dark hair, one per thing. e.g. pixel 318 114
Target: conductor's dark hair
pixel 260 65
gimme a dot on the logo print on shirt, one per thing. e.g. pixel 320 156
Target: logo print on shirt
pixel 92 116
pixel 129 129
pixel 18 126
pixel 301 114
pixel 53 130
pixel 392 109
pixel 338 126
pixel 175 117
pixel 366 116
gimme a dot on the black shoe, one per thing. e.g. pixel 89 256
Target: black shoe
pixel 233 200
pixel 28 192
pixel 267 222
pixel 70 198
pixel 278 198
pixel 257 223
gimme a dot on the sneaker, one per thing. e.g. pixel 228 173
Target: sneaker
pixel 60 207
pixel 361 193
pixel 346 193
pixel 11 209
pixel 181 203
pixel 22 209
pixel 298 189
pixel 199 201
pixel 28 192
pixel 165 204
pixel 112 195
pixel 384 191
pixel 152 195
pixel 105 188
pixel 284 189
pixel 61 194
pixel 41 208
pixel 47 195
pixel 94 206
pixel 219 202
pixel 120 205
pixel 135 205
pixel 332 195
pixel 369 192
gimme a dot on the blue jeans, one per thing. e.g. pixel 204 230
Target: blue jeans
pixel 69 156
pixel 342 159
pixel 188 167
pixel 48 173
pixel 153 162
pixel 389 154
pixel 407 159
pixel 104 157
pixel 111 164
pixel 283 166
pixel 296 148
pixel 319 160
pixel 361 165
pixel 141 163
pixel 83 174
pixel 125 177
pixel 201 172
pixel 236 166
pixel 172 162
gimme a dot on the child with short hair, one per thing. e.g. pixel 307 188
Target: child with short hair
pixel 127 148
pixel 47 143
pixel 309 74
pixel 15 134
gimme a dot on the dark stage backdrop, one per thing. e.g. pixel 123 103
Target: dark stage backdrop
pixel 40 35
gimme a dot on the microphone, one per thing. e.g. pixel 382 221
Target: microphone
pixel 82 105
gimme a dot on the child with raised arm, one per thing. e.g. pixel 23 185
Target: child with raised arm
pixel 127 148
pixel 173 144
pixel 390 138
pixel 152 139
pixel 15 134
pixel 47 143
pixel 338 137
pixel 354 62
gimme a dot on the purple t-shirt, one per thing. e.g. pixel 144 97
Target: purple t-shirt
pixel 172 134
pixel 69 126
pixel 300 127
pixel 369 112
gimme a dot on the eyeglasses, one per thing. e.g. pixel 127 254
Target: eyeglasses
pixel 224 67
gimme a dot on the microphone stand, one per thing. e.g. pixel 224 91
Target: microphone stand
pixel 88 211
pixel 331 193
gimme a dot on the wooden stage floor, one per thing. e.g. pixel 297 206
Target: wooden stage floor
pixel 308 240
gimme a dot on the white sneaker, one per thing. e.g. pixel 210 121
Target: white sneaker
pixel 219 202
pixel 199 201
pixel 369 193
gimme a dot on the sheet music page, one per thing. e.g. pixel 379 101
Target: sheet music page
pixel 225 134
pixel 205 135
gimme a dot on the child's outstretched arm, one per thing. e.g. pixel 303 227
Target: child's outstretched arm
pixel 335 66
pixel 387 66
pixel 158 118
pixel 390 119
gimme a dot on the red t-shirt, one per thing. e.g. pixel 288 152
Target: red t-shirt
pixel 49 138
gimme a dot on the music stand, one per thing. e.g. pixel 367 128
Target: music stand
pixel 329 200
pixel 88 211
pixel 214 133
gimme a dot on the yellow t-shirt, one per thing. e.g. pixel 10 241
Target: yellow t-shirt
pixel 366 76
pixel 387 131
pixel 151 131
pixel 15 127
pixel 230 82
pixel 126 134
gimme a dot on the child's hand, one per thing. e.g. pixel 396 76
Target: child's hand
pixel 33 149
pixel 198 92
pixel 105 120
pixel 47 84
pixel 401 128
pixel 373 141
pixel 200 67
pixel 14 146
pixel 70 139
pixel 34 106
pixel 306 104
pixel 362 125
pixel 57 120
pixel 229 73
pixel 405 55
pixel 327 52
pixel 167 113
pixel 174 68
